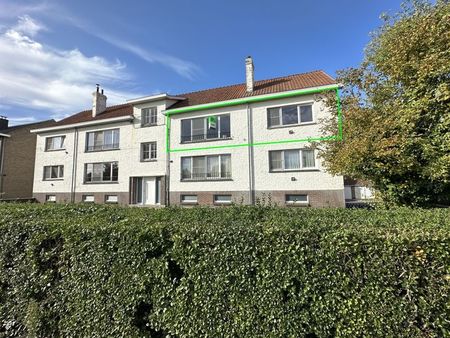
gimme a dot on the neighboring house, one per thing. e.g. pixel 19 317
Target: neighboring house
pixel 17 155
pixel 228 144
pixel 357 192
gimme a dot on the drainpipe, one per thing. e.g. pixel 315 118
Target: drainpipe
pixel 251 159
pixel 2 156
pixel 167 185
pixel 74 166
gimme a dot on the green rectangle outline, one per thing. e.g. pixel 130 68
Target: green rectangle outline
pixel 251 100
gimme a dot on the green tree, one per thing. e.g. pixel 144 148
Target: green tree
pixel 396 108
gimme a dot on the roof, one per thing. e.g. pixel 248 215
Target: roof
pixel 28 125
pixel 281 84
pixel 270 86
pixel 86 115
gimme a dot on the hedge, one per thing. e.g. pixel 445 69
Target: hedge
pixel 99 271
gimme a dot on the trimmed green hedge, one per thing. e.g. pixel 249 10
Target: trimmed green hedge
pixel 98 271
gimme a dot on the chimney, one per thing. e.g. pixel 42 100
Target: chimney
pixel 98 102
pixel 249 74
pixel 3 122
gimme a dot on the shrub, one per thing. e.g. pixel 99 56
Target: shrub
pixel 98 271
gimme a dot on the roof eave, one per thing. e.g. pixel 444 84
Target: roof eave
pixel 84 124
pixel 154 98
pixel 251 99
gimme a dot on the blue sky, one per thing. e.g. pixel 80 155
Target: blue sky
pixel 52 53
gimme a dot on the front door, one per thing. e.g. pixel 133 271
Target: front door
pixel 149 190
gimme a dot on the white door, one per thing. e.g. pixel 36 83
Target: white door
pixel 149 190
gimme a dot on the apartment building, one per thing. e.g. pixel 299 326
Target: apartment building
pixel 17 155
pixel 237 143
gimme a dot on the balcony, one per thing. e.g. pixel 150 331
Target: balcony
pixel 102 147
pixel 204 176
pixel 209 136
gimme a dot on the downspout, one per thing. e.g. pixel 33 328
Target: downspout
pixel 2 156
pixel 251 159
pixel 167 185
pixel 74 166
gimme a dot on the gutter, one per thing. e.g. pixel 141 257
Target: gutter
pixel 4 135
pixel 84 124
pixel 251 99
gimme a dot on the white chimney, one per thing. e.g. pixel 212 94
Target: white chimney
pixel 249 74
pixel 98 102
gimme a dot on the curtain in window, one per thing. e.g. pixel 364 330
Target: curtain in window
pixel 308 158
pixel 225 127
pixel 225 166
pixel 276 161
pixel 186 130
pixel 198 129
pixel 186 167
pixel 198 167
pixel 291 159
pixel 213 169
pixel 273 117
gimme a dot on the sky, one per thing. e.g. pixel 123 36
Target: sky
pixel 53 52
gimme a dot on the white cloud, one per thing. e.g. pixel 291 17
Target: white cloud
pixel 36 76
pixel 14 9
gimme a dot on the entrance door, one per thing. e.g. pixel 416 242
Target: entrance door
pixel 149 191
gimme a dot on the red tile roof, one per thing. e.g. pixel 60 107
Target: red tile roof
pixel 263 87
pixel 270 86
pixel 86 116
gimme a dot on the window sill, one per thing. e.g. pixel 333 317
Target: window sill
pixel 152 160
pixel 294 170
pixel 205 179
pixel 208 140
pixel 149 125
pixel 101 150
pixel 189 203
pixel 105 182
pixel 53 150
pixel 53 179
pixel 292 125
pixel 298 205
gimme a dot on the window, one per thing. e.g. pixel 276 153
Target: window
pixel 294 159
pixel 222 199
pixel 54 143
pixel 148 151
pixel 289 115
pixel 205 128
pixel 189 199
pixel 103 140
pixel 101 172
pixel 111 199
pixel 206 167
pixel 149 117
pixel 297 199
pixel 88 199
pixel 53 172
pixel 50 198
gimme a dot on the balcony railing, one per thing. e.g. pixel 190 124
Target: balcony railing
pixel 206 176
pixel 206 136
pixel 101 147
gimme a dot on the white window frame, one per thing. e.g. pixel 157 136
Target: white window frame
pixel 50 198
pixel 183 201
pixel 88 198
pixel 105 147
pixel 152 151
pixel 206 178
pixel 296 202
pixel 60 176
pixel 151 119
pixel 62 143
pixel 205 129
pixel 280 115
pixel 302 168
pixel 111 199
pixel 102 181
pixel 222 202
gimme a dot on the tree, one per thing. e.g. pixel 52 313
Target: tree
pixel 396 108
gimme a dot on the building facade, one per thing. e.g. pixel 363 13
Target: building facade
pixel 242 143
pixel 17 157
